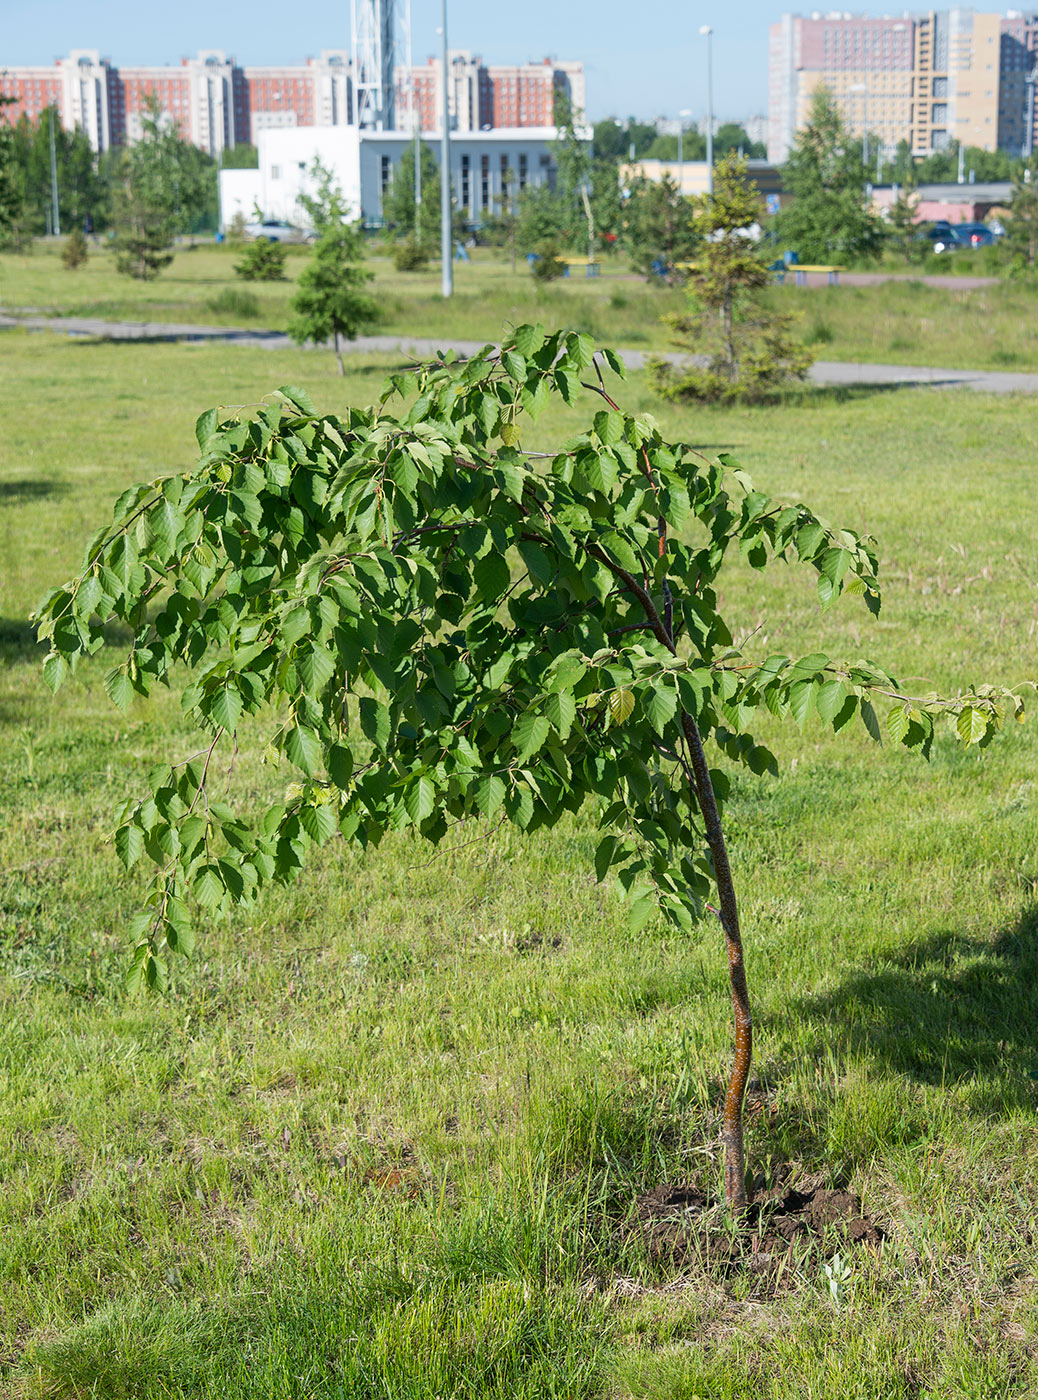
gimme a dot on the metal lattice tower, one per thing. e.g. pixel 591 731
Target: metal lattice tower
pixel 373 35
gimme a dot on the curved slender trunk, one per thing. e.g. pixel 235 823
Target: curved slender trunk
pixel 734 1155
pixel 338 354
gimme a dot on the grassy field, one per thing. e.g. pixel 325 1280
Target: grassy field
pixel 384 1135
pixel 905 322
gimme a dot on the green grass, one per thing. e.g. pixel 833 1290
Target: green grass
pixel 905 322
pixel 381 1137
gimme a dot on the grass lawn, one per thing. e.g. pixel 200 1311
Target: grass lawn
pixel 903 322
pixel 384 1134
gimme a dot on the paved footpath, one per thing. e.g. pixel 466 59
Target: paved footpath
pixel 822 372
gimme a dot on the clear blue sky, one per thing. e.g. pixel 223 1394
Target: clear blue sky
pixel 642 57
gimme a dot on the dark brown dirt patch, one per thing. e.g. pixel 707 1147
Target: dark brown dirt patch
pixel 684 1229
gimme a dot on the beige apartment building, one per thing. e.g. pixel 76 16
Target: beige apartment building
pixel 928 78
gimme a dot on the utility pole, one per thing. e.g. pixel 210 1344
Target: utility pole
pixel 55 219
pixel 446 241
pixel 708 32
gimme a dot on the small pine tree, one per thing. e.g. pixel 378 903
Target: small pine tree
pixel 547 265
pixel 1022 224
pixel 660 231
pixel 748 350
pixel 144 235
pixel 329 303
pixel 262 261
pixel 409 255
pixel 74 253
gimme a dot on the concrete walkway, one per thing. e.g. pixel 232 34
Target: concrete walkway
pixel 419 348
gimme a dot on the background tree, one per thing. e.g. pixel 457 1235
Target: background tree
pixel 749 350
pixel 1022 224
pixel 239 157
pixel 543 218
pixel 143 242
pixel 443 630
pixel 83 197
pixel 613 139
pixel 74 253
pixel 547 266
pixel 170 176
pixel 732 137
pixel 659 227
pixel 571 155
pixel 665 146
pixel 329 303
pixel 902 229
pixel 11 192
pixel 399 205
pixel 828 216
pixel 262 261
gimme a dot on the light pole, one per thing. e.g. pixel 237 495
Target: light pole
pixel 685 112
pixel 707 32
pixel 446 243
pixel 55 216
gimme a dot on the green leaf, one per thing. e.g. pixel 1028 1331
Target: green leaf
pixel 561 709
pixel 205 425
pixel 514 365
pixel 800 696
pixel 118 688
pixel 375 722
pixel 297 398
pixel 225 707
pixel 528 338
pixel 870 720
pixel 129 843
pixel 209 887
pixel 318 822
pixel 489 794
pixel 604 856
pixel 420 799
pixel 529 734
pixel 661 706
pixel 640 912
pixel 971 726
pixel 492 575
pixel 829 699
pixel 621 706
pixel 55 669
pixel 809 537
pixel 609 426
pixel 315 667
pixel 899 720
pixel 340 766
pixel 303 749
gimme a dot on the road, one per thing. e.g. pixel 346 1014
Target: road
pixel 825 372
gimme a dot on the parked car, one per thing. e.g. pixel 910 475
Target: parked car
pixel 941 235
pixel 973 235
pixel 274 231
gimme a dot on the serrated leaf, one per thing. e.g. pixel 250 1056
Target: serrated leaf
pixel 621 706
pixel 340 765
pixel 492 575
pixel 297 398
pixel 420 799
pixel 529 734
pixel 129 843
pixel 971 726
pixel 118 688
pixel 871 721
pixel 660 706
pixel 801 693
pixel 318 822
pixel 640 912
pixel 303 749
pixel 205 425
pixel 375 722
pixel 514 365
pixel 208 887
pixel 315 667
pixel 829 699
pixel 561 709
pixel 604 856
pixel 226 707
pixel 55 669
pixel 489 794
pixel 899 720
pixel 609 426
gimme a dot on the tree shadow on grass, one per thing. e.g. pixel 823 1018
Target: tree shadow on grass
pixel 28 489
pixel 948 1011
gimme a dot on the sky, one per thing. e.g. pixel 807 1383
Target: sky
pixel 642 58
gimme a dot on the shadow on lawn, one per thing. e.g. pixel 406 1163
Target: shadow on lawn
pixel 28 489
pixel 950 1010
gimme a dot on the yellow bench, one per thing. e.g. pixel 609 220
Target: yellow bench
pixel 802 269
pixel 592 267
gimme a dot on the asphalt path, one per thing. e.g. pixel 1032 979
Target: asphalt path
pixel 824 372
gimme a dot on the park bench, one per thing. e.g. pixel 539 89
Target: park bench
pixel 802 269
pixel 592 267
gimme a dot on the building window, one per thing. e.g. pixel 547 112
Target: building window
pixel 465 181
pixel 387 173
pixel 484 183
pixel 522 171
pixel 275 172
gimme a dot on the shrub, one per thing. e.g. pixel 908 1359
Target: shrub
pixel 232 301
pixel 262 261
pixel 74 253
pixel 409 255
pixel 547 265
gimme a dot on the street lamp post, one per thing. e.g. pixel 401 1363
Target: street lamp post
pixel 446 243
pixel 707 32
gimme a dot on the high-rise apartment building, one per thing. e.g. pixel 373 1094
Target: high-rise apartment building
pixel 216 104
pixel 928 79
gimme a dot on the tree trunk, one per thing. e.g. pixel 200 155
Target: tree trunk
pixel 734 1156
pixel 338 354
pixel 733 368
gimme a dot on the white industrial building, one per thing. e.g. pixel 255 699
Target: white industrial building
pixel 363 164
